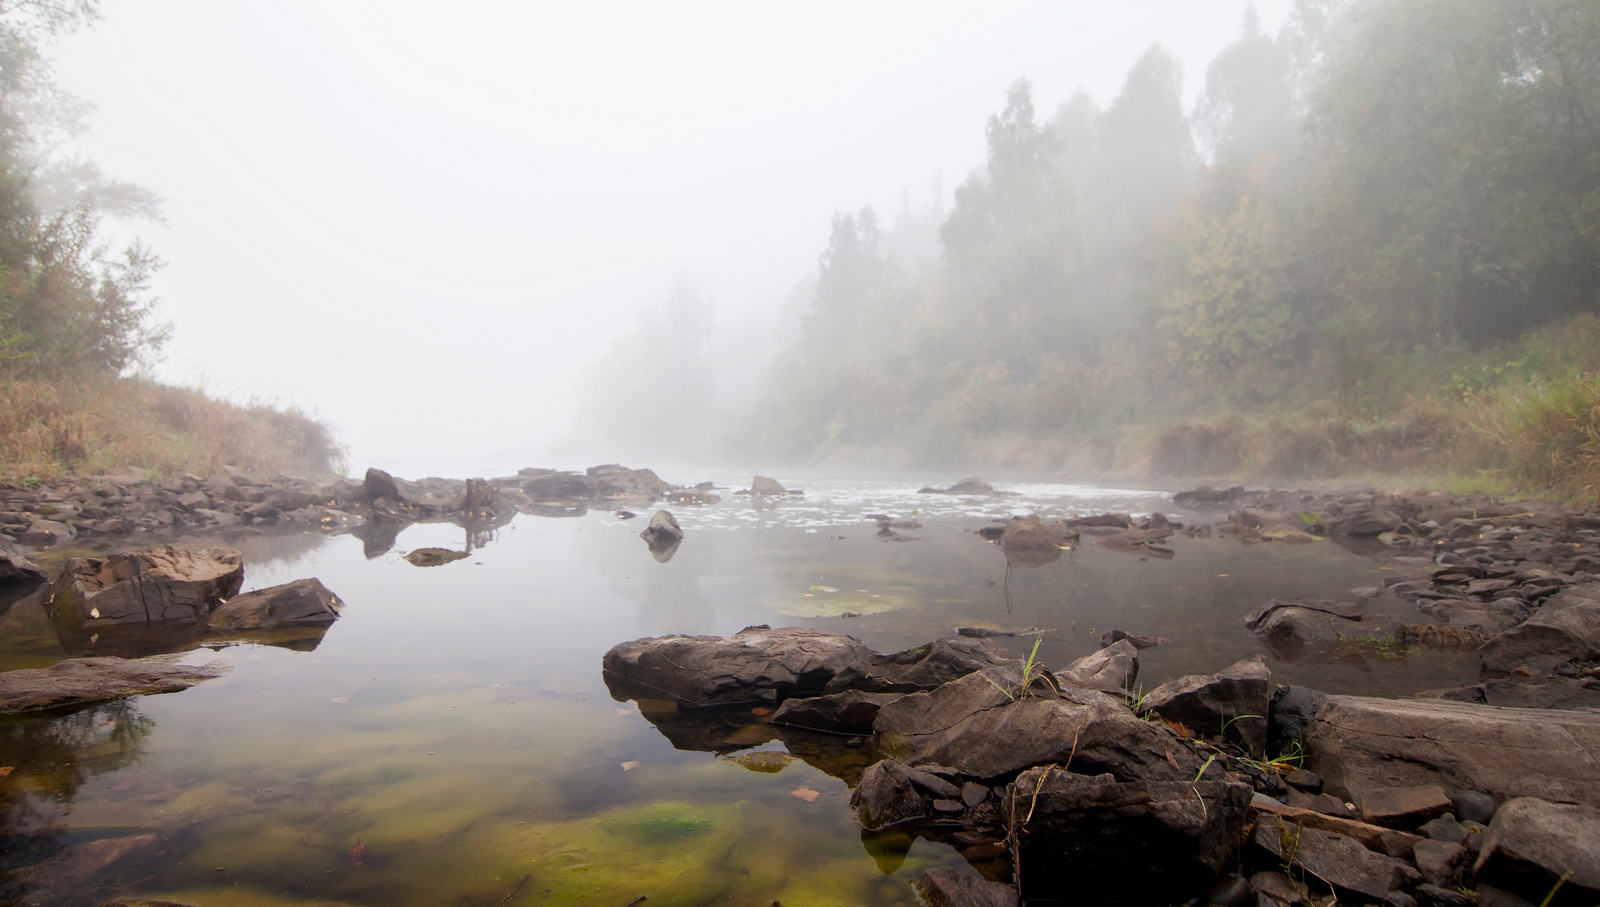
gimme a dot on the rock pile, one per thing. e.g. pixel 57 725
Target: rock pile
pixel 1053 787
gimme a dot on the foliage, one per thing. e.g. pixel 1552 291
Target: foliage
pixel 1384 255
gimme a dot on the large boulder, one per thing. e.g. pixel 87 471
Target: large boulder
pixel 1100 840
pixel 971 485
pixel 990 725
pixel 613 481
pixel 924 667
pixel 1029 533
pixel 763 485
pixel 1232 703
pixel 379 484
pixel 302 603
pixel 757 664
pixel 1565 629
pixel 851 712
pixel 1110 670
pixel 1358 744
pixel 166 583
pixel 1533 844
pixel 83 680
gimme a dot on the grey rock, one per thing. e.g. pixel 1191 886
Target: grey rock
pixel 1101 839
pixel 985 726
pixel 83 680
pixel 304 602
pixel 1029 533
pixel 379 484
pixel 663 530
pixel 1441 862
pixel 755 664
pixel 15 566
pixel 1474 806
pixel 1444 828
pixel 1348 610
pixel 850 712
pixel 1339 860
pixel 1109 670
pixel 763 485
pixel 924 667
pixel 1532 843
pixel 1358 744
pixel 1236 697
pixel 1565 629
pixel 886 796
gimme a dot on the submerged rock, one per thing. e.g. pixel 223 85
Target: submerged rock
pixel 83 680
pixel 756 664
pixel 302 603
pixel 433 557
pixel 166 583
pixel 944 887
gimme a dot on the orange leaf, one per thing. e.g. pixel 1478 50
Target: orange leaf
pixel 805 793
pixel 629 766
pixel 758 710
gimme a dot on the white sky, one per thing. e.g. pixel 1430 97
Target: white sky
pixel 423 221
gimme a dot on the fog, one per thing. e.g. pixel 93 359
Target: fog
pixel 438 226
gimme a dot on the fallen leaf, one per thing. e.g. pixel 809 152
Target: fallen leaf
pixel 94 613
pixel 340 699
pixel 805 793
pixel 1170 759
pixel 360 852
pixel 622 711
pixel 758 710
pixel 629 766
pixel 6 770
pixel 1179 728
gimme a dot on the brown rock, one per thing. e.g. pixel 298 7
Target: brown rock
pixel 1404 807
pixel 166 583
pixel 304 602
pixel 81 680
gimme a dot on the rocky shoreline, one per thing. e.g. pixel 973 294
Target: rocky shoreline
pixel 1056 785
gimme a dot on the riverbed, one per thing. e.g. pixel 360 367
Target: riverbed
pixel 450 740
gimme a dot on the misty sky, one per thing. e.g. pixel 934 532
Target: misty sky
pixel 424 222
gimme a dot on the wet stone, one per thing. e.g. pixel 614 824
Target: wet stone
pixel 1303 780
pixel 948 807
pixel 973 793
pixel 1474 806
pixel 1444 828
pixel 1440 862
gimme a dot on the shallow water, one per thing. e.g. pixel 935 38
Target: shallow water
pixel 451 740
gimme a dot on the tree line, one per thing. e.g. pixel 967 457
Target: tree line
pixel 1382 183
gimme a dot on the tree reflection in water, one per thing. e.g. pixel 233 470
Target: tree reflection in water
pixel 48 758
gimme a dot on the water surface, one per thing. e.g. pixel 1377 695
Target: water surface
pixel 451 740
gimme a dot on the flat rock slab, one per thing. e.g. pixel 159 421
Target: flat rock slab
pixel 83 680
pixel 1342 862
pixel 925 667
pixel 1394 843
pixel 302 603
pixel 756 664
pixel 986 726
pixel 1533 842
pixel 944 887
pixel 1404 807
pixel 166 583
pixel 14 567
pixel 1358 744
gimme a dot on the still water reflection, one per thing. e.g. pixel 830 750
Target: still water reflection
pixel 451 740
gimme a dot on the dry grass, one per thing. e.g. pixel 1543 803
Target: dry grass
pixel 80 426
pixel 1545 437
